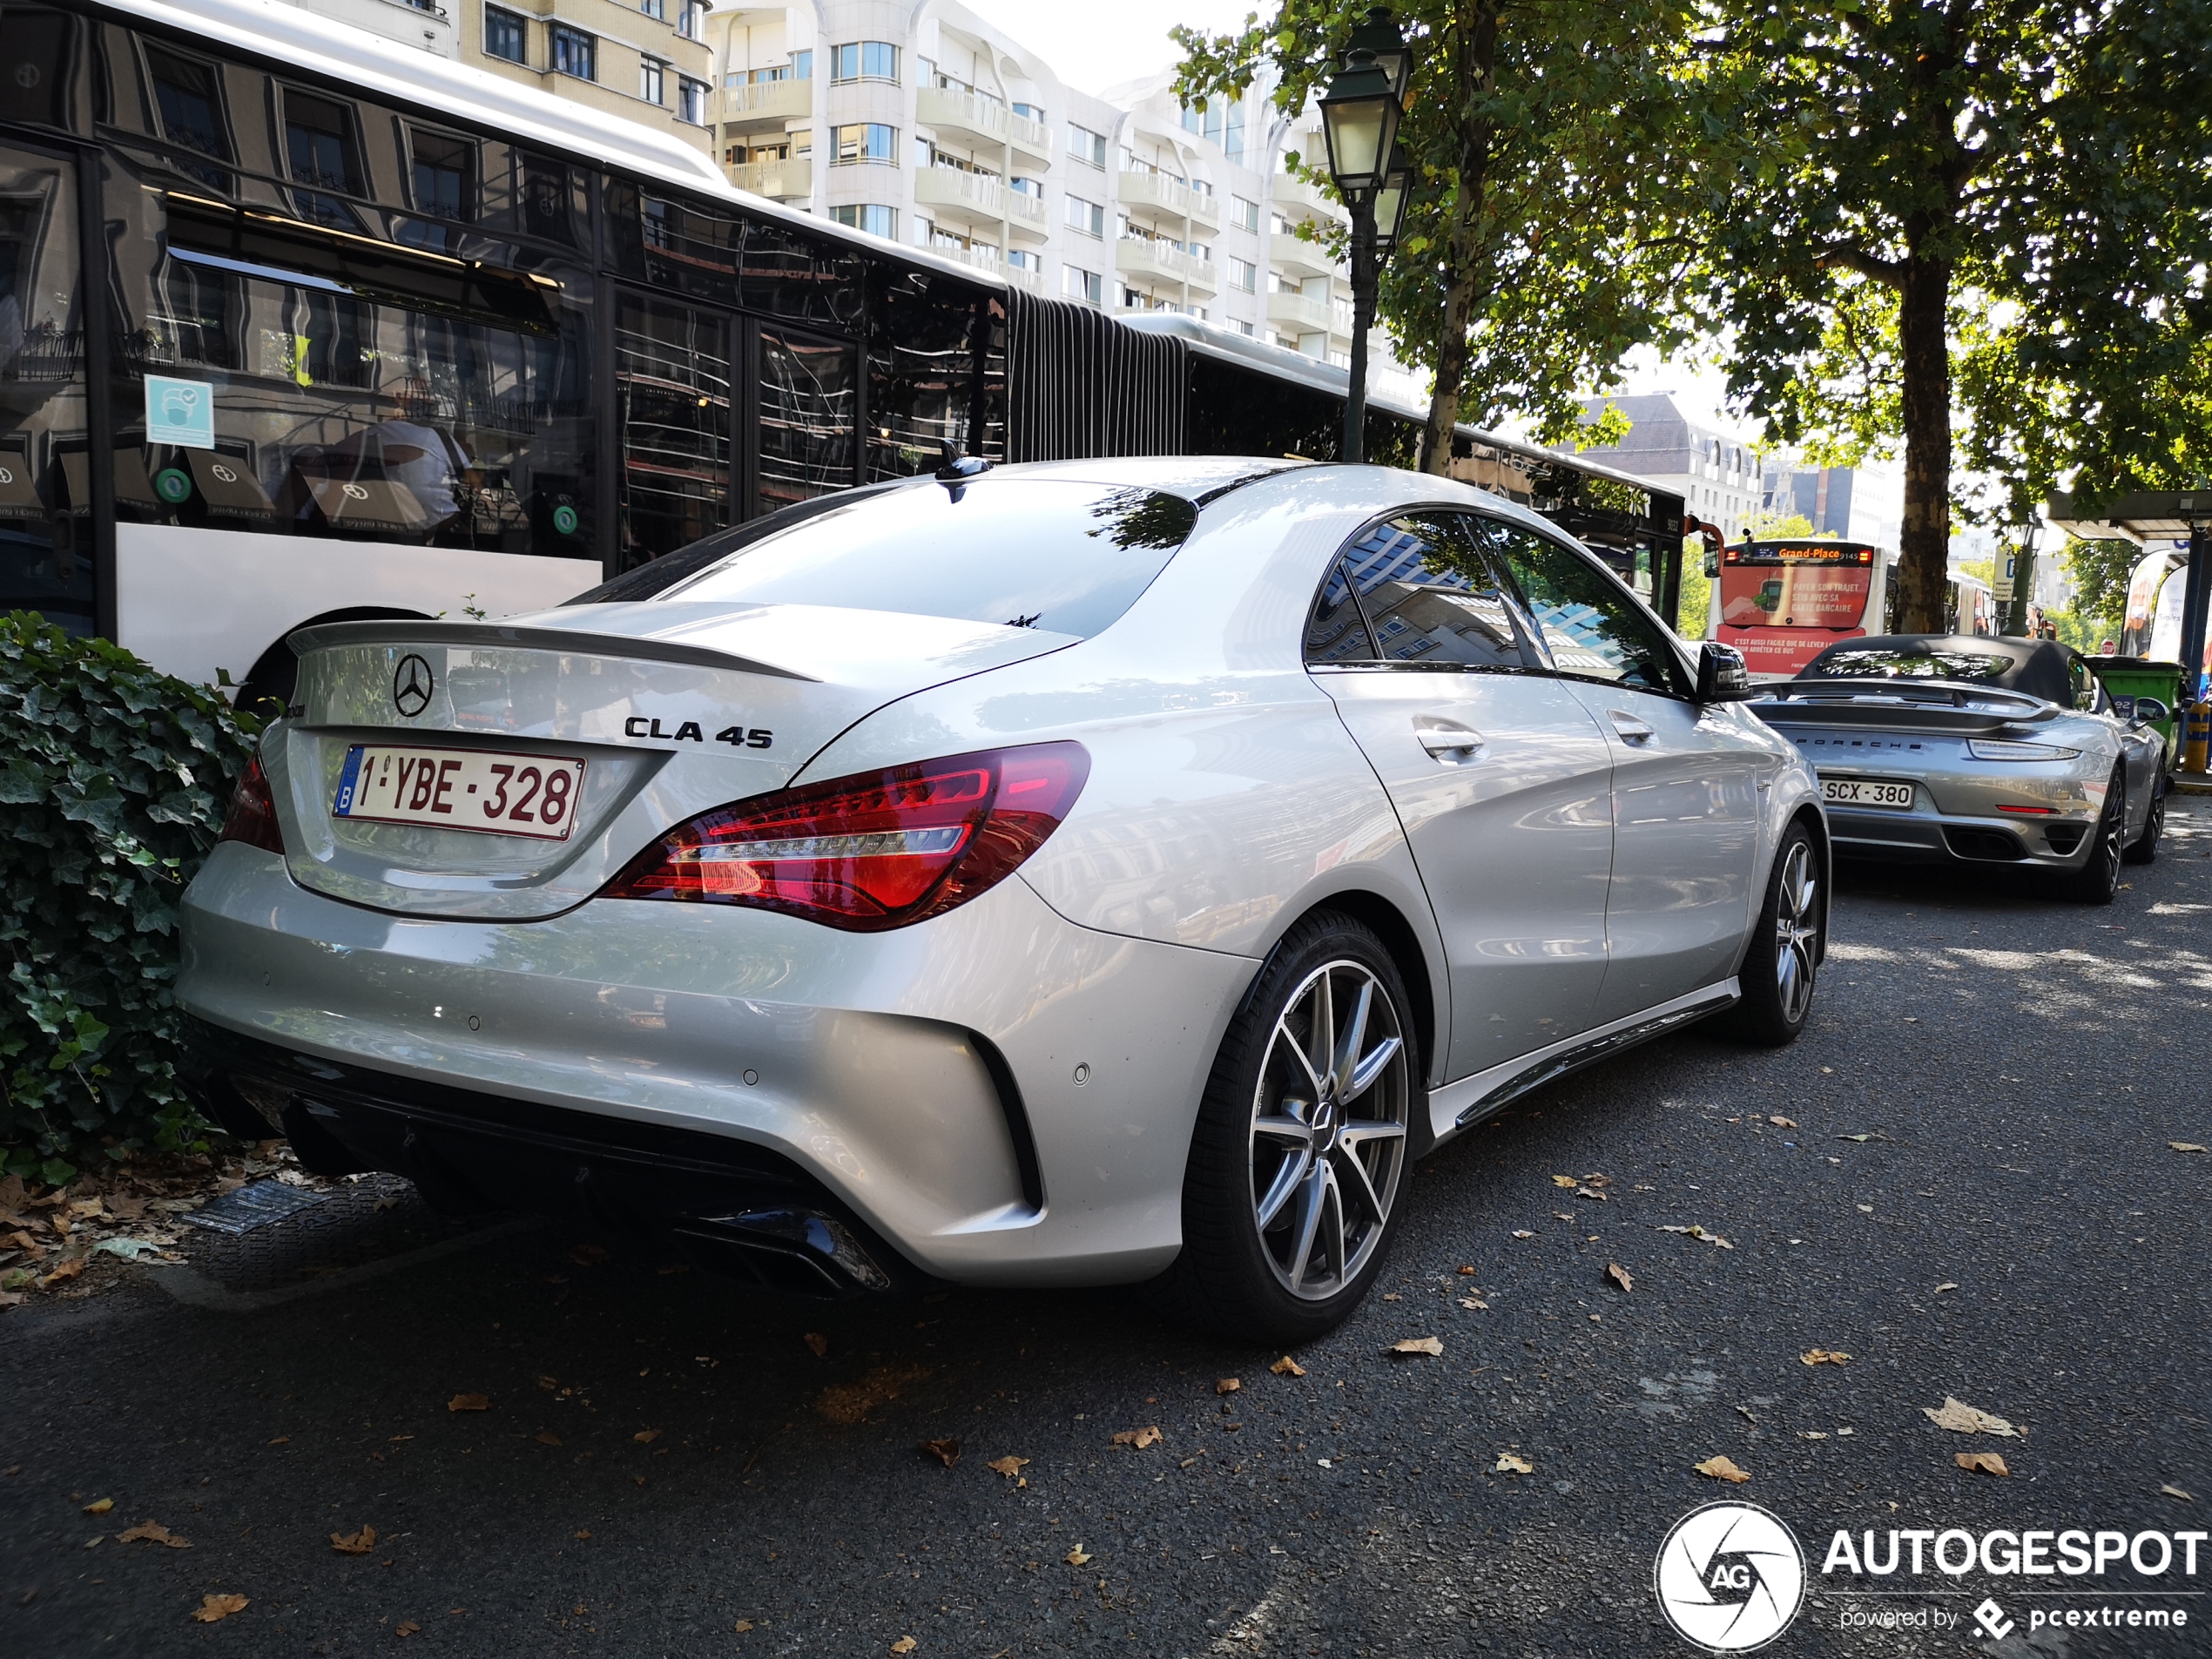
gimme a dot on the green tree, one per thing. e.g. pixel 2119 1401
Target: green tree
pixel 1543 238
pixel 1896 167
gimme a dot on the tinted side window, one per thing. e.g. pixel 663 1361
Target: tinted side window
pixel 1338 633
pixel 1590 625
pixel 1430 597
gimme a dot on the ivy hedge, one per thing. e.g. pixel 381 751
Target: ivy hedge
pixel 114 779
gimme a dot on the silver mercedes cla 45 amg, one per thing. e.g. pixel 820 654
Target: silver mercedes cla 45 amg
pixel 1073 873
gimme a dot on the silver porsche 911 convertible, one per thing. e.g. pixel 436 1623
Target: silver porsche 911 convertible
pixel 1082 872
pixel 1935 748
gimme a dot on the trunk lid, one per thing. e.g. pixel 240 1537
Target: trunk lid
pixel 671 708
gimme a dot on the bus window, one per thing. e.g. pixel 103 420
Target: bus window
pixel 46 535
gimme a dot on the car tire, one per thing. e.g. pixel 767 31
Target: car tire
pixel 2097 881
pixel 2144 849
pixel 1782 966
pixel 1298 1173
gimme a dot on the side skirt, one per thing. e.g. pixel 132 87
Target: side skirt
pixel 1462 1105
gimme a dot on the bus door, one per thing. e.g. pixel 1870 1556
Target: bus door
pixel 723 417
pixel 46 540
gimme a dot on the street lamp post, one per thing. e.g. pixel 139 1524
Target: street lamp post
pixel 1359 115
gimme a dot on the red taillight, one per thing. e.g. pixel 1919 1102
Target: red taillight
pixel 253 816
pixel 875 851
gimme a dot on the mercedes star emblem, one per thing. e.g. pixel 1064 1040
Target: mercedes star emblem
pixel 411 684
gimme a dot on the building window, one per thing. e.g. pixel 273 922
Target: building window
pixel 863 60
pixel 1085 286
pixel 1087 217
pixel 649 79
pixel 1244 276
pixel 690 100
pixel 191 111
pixel 802 65
pixel 1244 215
pixel 574 52
pixel 1023 258
pixel 691 22
pixel 320 150
pixel 876 221
pixel 1029 187
pixel 1029 112
pixel 506 35
pixel 1244 329
pixel 867 141
pixel 443 170
pixel 654 9
pixel 1086 145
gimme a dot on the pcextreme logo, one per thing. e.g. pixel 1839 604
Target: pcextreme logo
pixel 1729 1577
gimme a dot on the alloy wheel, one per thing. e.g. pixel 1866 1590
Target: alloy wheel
pixel 1796 933
pixel 1328 1129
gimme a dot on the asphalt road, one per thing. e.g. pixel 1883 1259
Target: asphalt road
pixel 1977 1200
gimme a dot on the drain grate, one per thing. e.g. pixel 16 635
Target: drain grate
pixel 269 1235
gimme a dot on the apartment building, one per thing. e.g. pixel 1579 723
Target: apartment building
pixel 1721 478
pixel 647 61
pixel 927 126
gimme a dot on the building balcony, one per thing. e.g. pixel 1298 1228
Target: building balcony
pixel 1295 313
pixel 1298 199
pixel 782 181
pixel 982 120
pixel 759 105
pixel 1162 194
pixel 970 199
pixel 1159 262
pixel 1295 256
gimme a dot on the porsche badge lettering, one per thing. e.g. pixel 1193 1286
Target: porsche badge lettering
pixel 639 725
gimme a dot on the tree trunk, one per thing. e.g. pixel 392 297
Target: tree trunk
pixel 1923 543
pixel 1463 255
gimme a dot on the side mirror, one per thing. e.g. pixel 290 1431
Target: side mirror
pixel 1721 677
pixel 2148 711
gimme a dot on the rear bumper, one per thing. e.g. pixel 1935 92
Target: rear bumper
pixel 1931 837
pixel 890 1075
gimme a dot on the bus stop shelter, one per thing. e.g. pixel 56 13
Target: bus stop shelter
pixel 2153 517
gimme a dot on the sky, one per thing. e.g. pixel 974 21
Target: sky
pixel 1092 44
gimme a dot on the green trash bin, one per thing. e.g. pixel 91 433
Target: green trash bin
pixel 2139 677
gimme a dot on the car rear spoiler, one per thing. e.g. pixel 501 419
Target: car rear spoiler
pixel 396 631
pixel 1886 704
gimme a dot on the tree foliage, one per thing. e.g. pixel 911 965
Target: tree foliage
pixel 1545 231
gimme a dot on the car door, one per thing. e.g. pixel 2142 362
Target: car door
pixel 1688 782
pixel 1498 775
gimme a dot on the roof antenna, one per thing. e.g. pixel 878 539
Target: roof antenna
pixel 956 469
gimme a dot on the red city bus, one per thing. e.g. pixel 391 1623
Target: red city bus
pixel 1779 602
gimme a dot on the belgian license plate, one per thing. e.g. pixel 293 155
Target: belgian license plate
pixel 461 789
pixel 1859 792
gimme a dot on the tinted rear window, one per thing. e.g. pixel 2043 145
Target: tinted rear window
pixel 1065 557
pixel 1847 663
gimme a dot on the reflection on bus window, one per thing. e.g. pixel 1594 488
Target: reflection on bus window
pixel 320 150
pixel 672 391
pixel 46 550
pixel 189 95
pixel 806 407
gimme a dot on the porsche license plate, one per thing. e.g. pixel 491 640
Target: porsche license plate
pixel 1860 791
pixel 461 789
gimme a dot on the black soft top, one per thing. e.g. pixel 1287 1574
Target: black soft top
pixel 2039 668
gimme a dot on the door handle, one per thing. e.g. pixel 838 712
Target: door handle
pixel 1447 741
pixel 1631 729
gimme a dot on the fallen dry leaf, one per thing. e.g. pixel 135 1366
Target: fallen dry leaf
pixel 213 1609
pixel 408 1628
pixel 69 1268
pixel 1008 1467
pixel 1987 1462
pixel 1508 1464
pixel 1392 1295
pixel 1597 1180
pixel 1228 1386
pixel 354 1543
pixel 590 1255
pixel 849 1403
pixel 1721 1469
pixel 1417 1345
pixel 646 1436
pixel 2185 1146
pixel 905 1644
pixel 2176 1492
pixel 946 1451
pixel 546 1437
pixel 1783 1123
pixel 154 1532
pixel 1520 1233
pixel 1618 1275
pixel 1287 1366
pixel 99 1506
pixel 583 1537
pixel 1564 1181
pixel 819 1343
pixel 1963 1418
pixel 1137 1439
pixel 1823 1356
pixel 1475 1303
pixel 465 1403
pixel 1561 1214
pixel 1940 1288
pixel 742 1626
pixel 1076 1557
